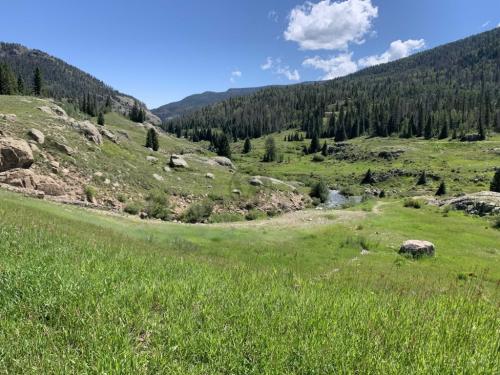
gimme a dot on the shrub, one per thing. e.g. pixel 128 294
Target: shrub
pixel 412 203
pixel 496 223
pixel 198 212
pixel 90 193
pixel 368 178
pixel 254 215
pixel 320 191
pixel 132 208
pixel 422 180
pixel 226 217
pixel 318 158
pixel 157 206
pixel 441 190
pixel 122 198
pixel 495 183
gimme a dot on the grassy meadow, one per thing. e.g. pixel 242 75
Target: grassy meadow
pixel 85 292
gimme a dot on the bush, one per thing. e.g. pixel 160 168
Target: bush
pixel 122 198
pixel 412 203
pixel 198 212
pixel 157 206
pixel 90 193
pixel 496 223
pixel 254 215
pixel 226 217
pixel 320 191
pixel 318 158
pixel 132 208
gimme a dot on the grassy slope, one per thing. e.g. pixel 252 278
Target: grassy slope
pixel 458 163
pixel 82 292
pixel 126 162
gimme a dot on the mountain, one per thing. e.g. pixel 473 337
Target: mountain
pixel 197 101
pixel 62 80
pixel 449 89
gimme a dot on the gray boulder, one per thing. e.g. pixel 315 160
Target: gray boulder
pixel 109 135
pixel 15 153
pixel 417 248
pixel 176 161
pixel 223 161
pixel 89 130
pixel 27 179
pixel 254 181
pixel 37 136
pixel 64 148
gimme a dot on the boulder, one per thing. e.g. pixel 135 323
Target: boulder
pixel 54 111
pixel 8 117
pixel 210 176
pixel 27 179
pixel 152 159
pixel 254 181
pixel 37 136
pixel 223 161
pixel 15 153
pixel 417 248
pixel 176 161
pixel 157 177
pixel 89 130
pixel 109 135
pixel 64 148
pixel 481 203
pixel 236 191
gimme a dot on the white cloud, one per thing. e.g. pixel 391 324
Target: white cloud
pixel 268 64
pixel 273 16
pixel 234 75
pixel 275 65
pixel 397 50
pixel 485 24
pixel 343 64
pixel 334 67
pixel 291 75
pixel 330 25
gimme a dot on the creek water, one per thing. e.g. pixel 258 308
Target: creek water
pixel 337 200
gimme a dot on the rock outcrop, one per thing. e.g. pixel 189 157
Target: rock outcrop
pixel 417 248
pixel 482 203
pixel 27 179
pixel 89 130
pixel 15 153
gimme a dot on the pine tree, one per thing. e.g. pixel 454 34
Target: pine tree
pixel 223 147
pixel 444 131
pixel 315 145
pixel 441 190
pixel 422 180
pixel 324 149
pixel 368 178
pixel 20 85
pixel 320 190
pixel 428 129
pixel 495 183
pixel 152 140
pixel 38 82
pixel 271 152
pixel 100 119
pixel 8 85
pixel 247 147
pixel 340 135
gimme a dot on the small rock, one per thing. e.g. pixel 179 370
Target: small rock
pixel 8 117
pixel 157 177
pixel 210 176
pixel 237 191
pixel 107 181
pixel 167 169
pixel 37 136
pixel 64 148
pixel 254 181
pixel 152 159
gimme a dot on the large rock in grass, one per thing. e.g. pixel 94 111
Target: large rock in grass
pixel 89 130
pixel 177 161
pixel 27 179
pixel 15 153
pixel 37 136
pixel 224 162
pixel 255 181
pixel 417 248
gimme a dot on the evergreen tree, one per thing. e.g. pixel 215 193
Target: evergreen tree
pixel 100 119
pixel 315 145
pixel 152 140
pixel 37 82
pixel 8 84
pixel 444 131
pixel 320 190
pixel 340 135
pixel 495 183
pixel 223 146
pixel 428 129
pixel 422 180
pixel 271 152
pixel 441 190
pixel 324 149
pixel 247 147
pixel 20 85
pixel 368 178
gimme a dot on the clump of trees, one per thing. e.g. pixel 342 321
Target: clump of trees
pixel 152 140
pixel 320 191
pixel 137 114
pixel 12 85
pixel 221 145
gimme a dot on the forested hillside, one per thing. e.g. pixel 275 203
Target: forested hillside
pixel 449 91
pixel 60 80
pixel 197 101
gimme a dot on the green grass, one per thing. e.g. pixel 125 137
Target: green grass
pixel 466 167
pixel 83 292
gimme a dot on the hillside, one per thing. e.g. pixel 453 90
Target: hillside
pixel 61 80
pixel 197 101
pixel 449 90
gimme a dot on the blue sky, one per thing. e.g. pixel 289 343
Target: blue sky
pixel 161 51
